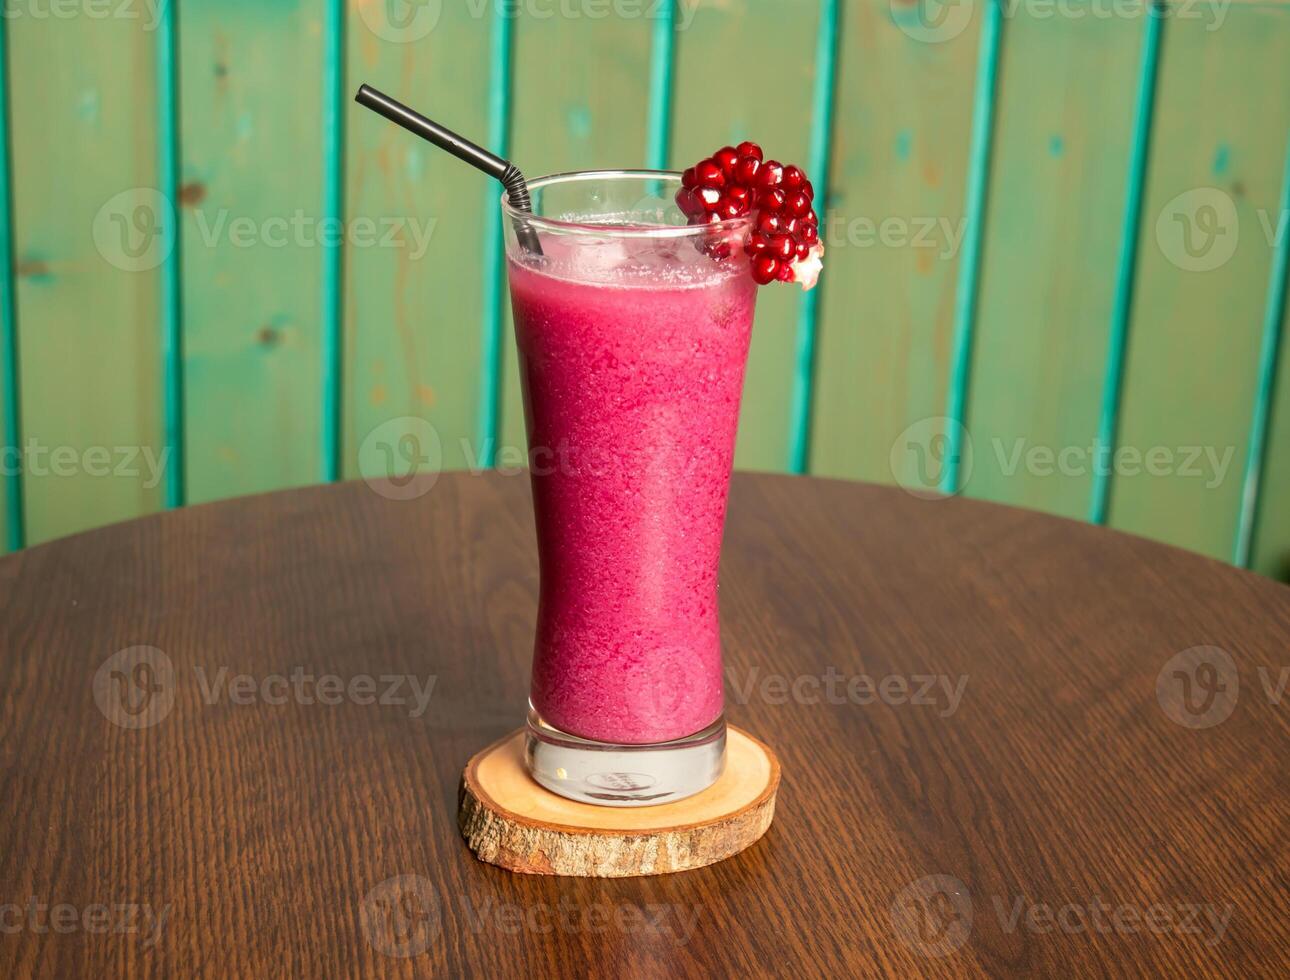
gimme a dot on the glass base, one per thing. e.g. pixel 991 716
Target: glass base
pixel 624 775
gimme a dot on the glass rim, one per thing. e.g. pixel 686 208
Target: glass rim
pixel 616 231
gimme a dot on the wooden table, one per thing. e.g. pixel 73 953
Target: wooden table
pixel 999 755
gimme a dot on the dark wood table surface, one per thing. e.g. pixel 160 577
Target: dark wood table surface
pixel 1012 744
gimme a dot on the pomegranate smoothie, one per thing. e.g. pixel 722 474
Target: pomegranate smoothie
pixel 632 355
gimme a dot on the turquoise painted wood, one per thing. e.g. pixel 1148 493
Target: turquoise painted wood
pixel 11 531
pixel 255 369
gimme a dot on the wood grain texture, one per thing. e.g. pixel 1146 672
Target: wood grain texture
pixel 509 820
pixel 1052 242
pixel 413 304
pixel 716 42
pixel 252 192
pixel 581 100
pixel 894 233
pixel 299 838
pixel 86 252
pixel 1222 114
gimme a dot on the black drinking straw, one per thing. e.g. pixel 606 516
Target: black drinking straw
pixel 517 190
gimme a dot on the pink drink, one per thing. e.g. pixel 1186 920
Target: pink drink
pixel 632 365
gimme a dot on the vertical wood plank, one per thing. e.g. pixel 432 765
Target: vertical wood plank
pixel 11 521
pixel 252 198
pixel 662 76
pixel 89 238
pixel 1270 551
pixel 1126 272
pixel 894 233
pixel 1052 238
pixel 1263 541
pixel 413 296
pixel 974 214
pixel 581 102
pixel 172 300
pixel 501 55
pixel 823 103
pixel 1204 262
pixel 335 105
pixel 716 42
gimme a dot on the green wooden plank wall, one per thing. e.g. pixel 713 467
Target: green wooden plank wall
pixel 1047 222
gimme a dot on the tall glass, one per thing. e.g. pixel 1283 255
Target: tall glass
pixel 632 330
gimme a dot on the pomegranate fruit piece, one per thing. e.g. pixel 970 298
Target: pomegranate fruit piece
pixel 784 243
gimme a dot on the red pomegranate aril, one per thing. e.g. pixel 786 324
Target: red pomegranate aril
pixel 786 272
pixel 769 223
pixel 765 269
pixel 730 208
pixel 803 250
pixel 810 234
pixel 784 247
pixel 740 195
pixel 809 190
pixel 757 243
pixel 689 204
pixel 709 197
pixel 748 149
pixel 718 249
pixel 689 179
pixel 793 179
pixel 798 205
pixel 726 158
pixel 746 171
pixel 772 200
pixel 770 175
pixel 709 174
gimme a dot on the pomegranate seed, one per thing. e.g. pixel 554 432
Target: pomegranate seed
pixel 772 200
pixel 719 250
pixel 809 190
pixel 769 223
pixel 786 272
pixel 770 175
pixel 740 195
pixel 765 269
pixel 810 234
pixel 729 208
pixel 746 171
pixel 747 149
pixel 689 204
pixel 708 173
pixel 757 243
pixel 689 179
pixel 784 247
pixel 710 197
pixel 803 250
pixel 726 158
pixel 799 205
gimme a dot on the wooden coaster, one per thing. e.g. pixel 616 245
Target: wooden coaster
pixel 511 821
